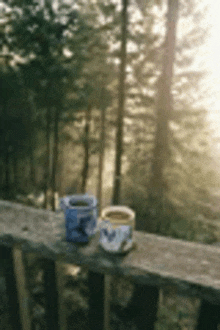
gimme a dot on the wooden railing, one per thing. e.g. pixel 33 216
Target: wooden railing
pixel 156 262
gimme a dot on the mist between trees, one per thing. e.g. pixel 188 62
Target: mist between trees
pixel 103 97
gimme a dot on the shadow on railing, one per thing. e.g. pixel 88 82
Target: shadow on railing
pixel 156 263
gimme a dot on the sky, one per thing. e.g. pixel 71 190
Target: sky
pixel 208 58
pixel 212 60
pixel 214 40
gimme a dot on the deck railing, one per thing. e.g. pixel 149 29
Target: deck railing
pixel 156 262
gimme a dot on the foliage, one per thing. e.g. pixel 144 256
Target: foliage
pixel 66 55
pixel 189 174
pixel 56 48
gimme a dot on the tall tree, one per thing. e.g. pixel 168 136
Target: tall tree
pixel 54 181
pixel 121 104
pixel 47 172
pixel 164 113
pixel 187 121
pixel 101 148
pixel 32 134
pixel 44 44
pixel 86 144
pixel 14 130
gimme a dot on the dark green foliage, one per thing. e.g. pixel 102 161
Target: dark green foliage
pixel 69 58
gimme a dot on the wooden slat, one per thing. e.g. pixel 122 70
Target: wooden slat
pixel 60 289
pixel 51 296
pixel 96 301
pixel 209 316
pixel 107 302
pixel 144 306
pixel 22 288
pixel 6 255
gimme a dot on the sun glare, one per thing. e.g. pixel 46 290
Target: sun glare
pixel 212 59
pixel 214 42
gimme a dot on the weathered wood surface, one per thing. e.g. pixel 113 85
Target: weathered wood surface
pixel 193 268
pixel 6 257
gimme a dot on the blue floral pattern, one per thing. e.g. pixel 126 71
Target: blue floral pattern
pixel 80 220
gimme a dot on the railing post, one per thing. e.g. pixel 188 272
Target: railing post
pixel 209 316
pixel 51 296
pixel 107 303
pixel 144 306
pixel 23 293
pixel 6 255
pixel 60 289
pixel 96 301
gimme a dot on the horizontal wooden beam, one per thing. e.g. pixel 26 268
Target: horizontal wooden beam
pixel 193 268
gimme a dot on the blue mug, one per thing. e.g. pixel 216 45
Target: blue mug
pixel 81 221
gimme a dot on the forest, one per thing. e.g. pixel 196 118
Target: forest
pixel 103 97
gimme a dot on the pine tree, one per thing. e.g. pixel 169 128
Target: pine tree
pixel 121 105
pixel 43 44
pixel 187 102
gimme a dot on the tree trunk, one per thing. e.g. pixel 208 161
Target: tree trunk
pixel 6 135
pixel 5 150
pixel 31 139
pixel 101 153
pixel 121 101
pixel 86 150
pixel 164 110
pixel 15 171
pixel 55 157
pixel 2 147
pixel 32 167
pixel 47 178
pixel 7 170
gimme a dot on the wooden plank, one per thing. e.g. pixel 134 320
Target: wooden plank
pixel 107 302
pixel 209 316
pixel 60 289
pixel 23 294
pixel 143 307
pixel 193 268
pixel 51 296
pixel 6 255
pixel 96 301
